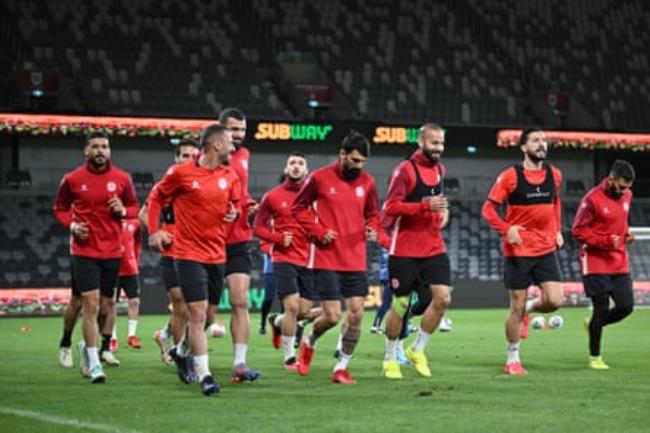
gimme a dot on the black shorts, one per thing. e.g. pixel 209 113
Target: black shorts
pixel 131 286
pixel 91 274
pixel 519 273
pixel 200 281
pixel 601 284
pixel 168 272
pixel 290 279
pixel 238 258
pixel 332 285
pixel 406 273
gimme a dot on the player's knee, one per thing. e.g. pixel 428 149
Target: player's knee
pixel 442 302
pixel 625 309
pixel 400 305
pixel 291 308
pixel 332 316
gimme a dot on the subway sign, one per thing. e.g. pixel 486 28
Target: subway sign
pixel 293 131
pixel 395 135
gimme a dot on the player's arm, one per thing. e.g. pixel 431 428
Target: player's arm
pixel 501 190
pixel 168 185
pixel 137 244
pixel 63 211
pixel 557 208
pixel 583 228
pixel 304 214
pixel 374 231
pixel 262 223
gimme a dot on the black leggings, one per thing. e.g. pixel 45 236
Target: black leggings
pixel 603 315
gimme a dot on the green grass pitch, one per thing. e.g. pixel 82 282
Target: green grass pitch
pixel 467 393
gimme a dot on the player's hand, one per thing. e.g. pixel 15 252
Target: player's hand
pixel 252 207
pixel 629 238
pixel 80 231
pixel 288 238
pixel 116 206
pixel 231 215
pixel 616 240
pixel 444 218
pixel 438 203
pixel 329 237
pixel 160 240
pixel 371 234
pixel 513 237
pixel 559 240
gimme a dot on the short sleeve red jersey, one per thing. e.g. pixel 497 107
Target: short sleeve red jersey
pixel 240 230
pixel 202 198
pixel 132 248
pixel 82 197
pixel 598 218
pixel 274 219
pixel 344 206
pixel 533 202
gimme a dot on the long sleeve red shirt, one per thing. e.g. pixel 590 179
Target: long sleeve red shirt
pixel 156 205
pixel 202 197
pixel 82 197
pixel 274 218
pixel 597 219
pixel 344 206
pixel 541 222
pixel 415 229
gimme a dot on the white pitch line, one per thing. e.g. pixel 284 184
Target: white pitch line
pixel 55 419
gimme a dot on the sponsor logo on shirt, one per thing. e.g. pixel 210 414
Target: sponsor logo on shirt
pixel 111 187
pixel 244 164
pixel 626 207
pixel 605 210
pixel 538 193
pixel 195 184
pixel 222 183
pixel 332 190
pixel 284 204
pixel 84 187
pixel 359 191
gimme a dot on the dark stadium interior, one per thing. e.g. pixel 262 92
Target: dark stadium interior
pixel 467 63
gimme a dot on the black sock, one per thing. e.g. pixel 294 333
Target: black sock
pixel 290 361
pixel 66 340
pixel 106 343
pixel 266 308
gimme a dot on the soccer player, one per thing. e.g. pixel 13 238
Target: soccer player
pixel 601 227
pixel 344 199
pixel 205 193
pixel 238 264
pixel 531 233
pixel 91 201
pixel 129 280
pixel 275 223
pixel 386 294
pixel 415 211
pixel 172 333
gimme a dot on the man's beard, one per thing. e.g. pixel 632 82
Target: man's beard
pixel 613 192
pixel 97 164
pixel 351 173
pixel 431 156
pixel 534 158
pixel 295 179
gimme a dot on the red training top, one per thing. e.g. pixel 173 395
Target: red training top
pixel 202 198
pixel 533 200
pixel 82 197
pixel 163 207
pixel 415 229
pixel 597 219
pixel 274 218
pixel 240 230
pixel 344 206
pixel 132 248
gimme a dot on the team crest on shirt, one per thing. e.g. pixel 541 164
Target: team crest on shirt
pixel 605 210
pixel 284 204
pixel 359 191
pixel 195 184
pixel 332 190
pixel 222 183
pixel 84 187
pixel 111 187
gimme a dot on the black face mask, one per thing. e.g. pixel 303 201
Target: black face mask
pixel 351 173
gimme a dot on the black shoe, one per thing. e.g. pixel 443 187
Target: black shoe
pixel 262 330
pixel 182 364
pixel 209 386
pixel 337 354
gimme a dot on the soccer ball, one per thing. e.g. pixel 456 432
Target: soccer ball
pixel 555 322
pixel 217 330
pixel 538 322
pixel 445 324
